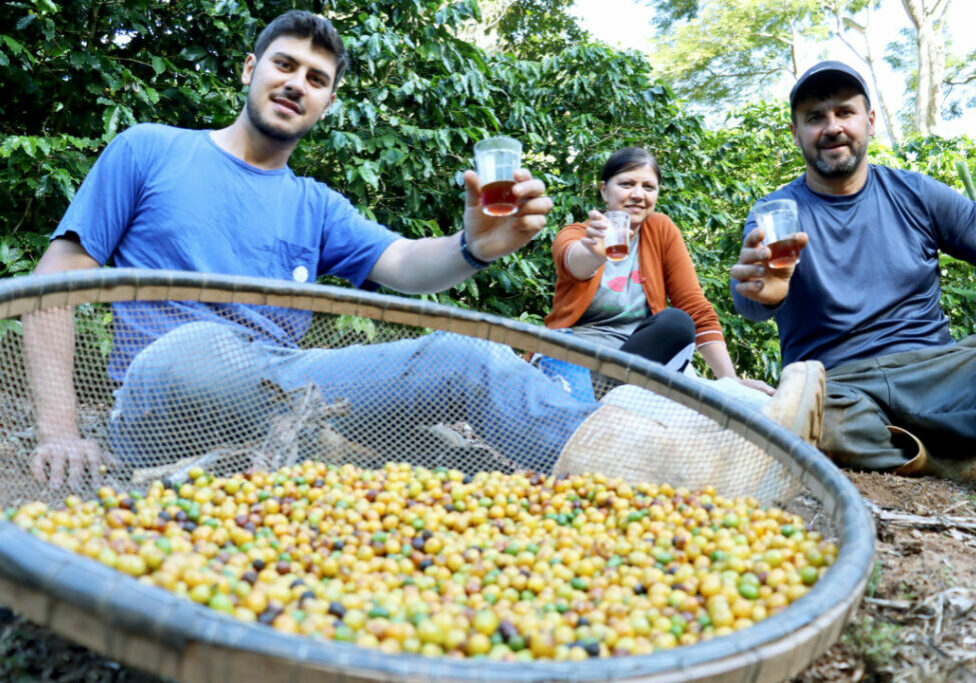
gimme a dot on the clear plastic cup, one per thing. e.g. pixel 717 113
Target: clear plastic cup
pixel 617 240
pixel 495 160
pixel 778 221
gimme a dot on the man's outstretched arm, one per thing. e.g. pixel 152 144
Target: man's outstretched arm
pixel 435 264
pixel 49 341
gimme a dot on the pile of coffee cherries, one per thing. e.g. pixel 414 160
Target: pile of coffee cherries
pixel 507 567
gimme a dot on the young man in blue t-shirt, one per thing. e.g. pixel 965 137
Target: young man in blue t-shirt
pixel 193 376
pixel 225 201
pixel 864 297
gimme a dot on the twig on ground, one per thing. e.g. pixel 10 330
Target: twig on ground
pixel 958 504
pixel 921 522
pixel 893 604
pixel 955 666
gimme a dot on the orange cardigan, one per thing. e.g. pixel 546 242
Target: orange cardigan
pixel 666 273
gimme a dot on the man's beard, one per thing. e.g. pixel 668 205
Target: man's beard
pixel 837 169
pixel 265 127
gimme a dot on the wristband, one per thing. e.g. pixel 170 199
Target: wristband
pixel 470 258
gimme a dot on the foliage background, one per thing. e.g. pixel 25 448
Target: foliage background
pixel 414 101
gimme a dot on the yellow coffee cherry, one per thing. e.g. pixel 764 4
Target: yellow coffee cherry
pixel 435 562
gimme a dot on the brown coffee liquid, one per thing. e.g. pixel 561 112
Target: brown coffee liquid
pixel 783 253
pixel 497 198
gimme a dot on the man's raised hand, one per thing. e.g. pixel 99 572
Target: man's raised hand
pixel 755 279
pixel 491 237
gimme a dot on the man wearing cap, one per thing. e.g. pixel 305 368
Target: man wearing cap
pixel 864 297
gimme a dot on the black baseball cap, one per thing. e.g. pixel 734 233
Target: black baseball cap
pixel 830 71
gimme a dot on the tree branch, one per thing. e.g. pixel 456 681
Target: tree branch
pixel 938 10
pixel 970 79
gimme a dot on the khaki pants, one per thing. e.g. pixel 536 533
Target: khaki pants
pixel 930 393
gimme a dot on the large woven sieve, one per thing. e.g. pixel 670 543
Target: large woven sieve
pixel 269 419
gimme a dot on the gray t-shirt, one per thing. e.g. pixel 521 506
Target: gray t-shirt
pixel 868 281
pixel 619 304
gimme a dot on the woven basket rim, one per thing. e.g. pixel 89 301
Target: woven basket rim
pixel 125 603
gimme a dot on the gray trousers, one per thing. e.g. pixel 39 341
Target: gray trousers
pixel 930 393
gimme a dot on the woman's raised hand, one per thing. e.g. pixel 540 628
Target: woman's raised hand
pixel 595 232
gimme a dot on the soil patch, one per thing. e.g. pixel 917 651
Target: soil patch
pixel 917 621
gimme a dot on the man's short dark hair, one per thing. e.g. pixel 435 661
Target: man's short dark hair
pixel 302 24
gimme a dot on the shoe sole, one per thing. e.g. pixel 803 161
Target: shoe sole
pixel 806 423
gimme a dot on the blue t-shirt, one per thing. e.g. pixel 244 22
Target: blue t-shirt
pixel 168 198
pixel 868 282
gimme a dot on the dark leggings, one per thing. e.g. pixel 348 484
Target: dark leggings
pixel 662 336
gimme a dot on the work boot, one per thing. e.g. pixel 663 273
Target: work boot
pixel 924 463
pixel 798 403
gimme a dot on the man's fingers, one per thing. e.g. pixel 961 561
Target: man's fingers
pixel 538 205
pixel 95 460
pixel 57 465
pixel 526 188
pixel 743 272
pixel 77 461
pixel 529 188
pixel 752 249
pixel 754 254
pixel 754 237
pixel 52 460
pixel 37 462
pixel 749 289
pixel 472 189
pixel 531 223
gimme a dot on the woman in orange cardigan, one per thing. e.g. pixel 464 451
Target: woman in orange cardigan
pixel 623 304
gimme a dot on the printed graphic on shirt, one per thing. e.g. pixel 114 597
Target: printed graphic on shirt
pixel 620 299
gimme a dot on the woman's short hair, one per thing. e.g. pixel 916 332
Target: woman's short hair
pixel 629 158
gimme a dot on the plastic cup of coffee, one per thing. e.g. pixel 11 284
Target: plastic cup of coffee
pixel 495 160
pixel 617 239
pixel 778 221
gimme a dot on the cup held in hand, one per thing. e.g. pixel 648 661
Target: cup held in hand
pixel 778 221
pixel 617 240
pixel 495 161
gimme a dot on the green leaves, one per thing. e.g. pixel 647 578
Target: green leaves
pixel 193 53
pixel 12 257
pixel 367 171
pixel 40 175
pixel 415 100
pixel 12 45
pixel 726 52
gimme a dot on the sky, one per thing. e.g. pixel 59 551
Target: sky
pixel 627 24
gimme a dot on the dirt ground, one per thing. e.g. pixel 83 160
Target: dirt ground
pixel 917 621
